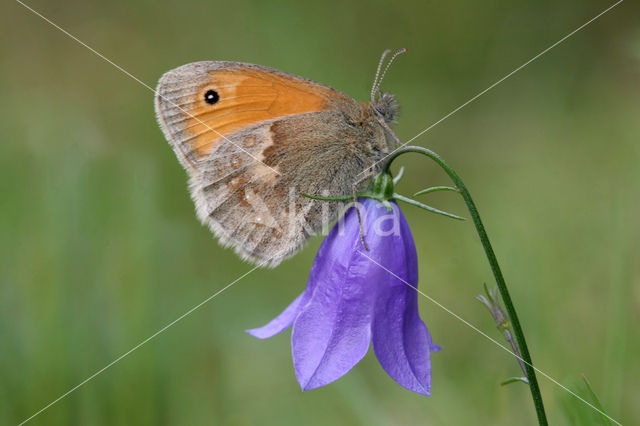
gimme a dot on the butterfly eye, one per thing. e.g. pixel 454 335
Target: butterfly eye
pixel 211 97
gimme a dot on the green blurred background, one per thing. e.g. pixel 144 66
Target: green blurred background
pixel 100 246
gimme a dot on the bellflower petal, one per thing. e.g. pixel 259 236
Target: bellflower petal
pixel 399 335
pixel 400 339
pixel 332 334
pixel 282 321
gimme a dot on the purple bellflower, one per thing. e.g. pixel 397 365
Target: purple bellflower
pixel 355 297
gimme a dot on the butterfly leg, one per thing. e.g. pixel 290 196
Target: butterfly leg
pixel 354 189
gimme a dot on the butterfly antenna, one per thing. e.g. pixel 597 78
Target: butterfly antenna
pixel 375 80
pixel 395 55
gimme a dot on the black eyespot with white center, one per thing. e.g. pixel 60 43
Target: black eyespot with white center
pixel 211 97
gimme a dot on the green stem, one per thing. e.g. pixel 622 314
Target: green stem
pixel 497 273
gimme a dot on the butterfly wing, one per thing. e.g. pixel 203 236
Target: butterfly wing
pixel 252 138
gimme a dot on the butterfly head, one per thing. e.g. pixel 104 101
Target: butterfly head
pixel 386 107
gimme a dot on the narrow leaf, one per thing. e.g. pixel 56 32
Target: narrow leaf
pixel 515 379
pixel 436 188
pixel 426 207
pixel 596 401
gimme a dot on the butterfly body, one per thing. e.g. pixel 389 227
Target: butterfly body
pixel 253 139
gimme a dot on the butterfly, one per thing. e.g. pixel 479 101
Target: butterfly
pixel 254 139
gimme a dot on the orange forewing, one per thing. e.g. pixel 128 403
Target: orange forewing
pixel 247 97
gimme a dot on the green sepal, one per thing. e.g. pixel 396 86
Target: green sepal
pixel 398 176
pixel 342 197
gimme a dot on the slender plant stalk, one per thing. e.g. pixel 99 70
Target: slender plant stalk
pixel 497 273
